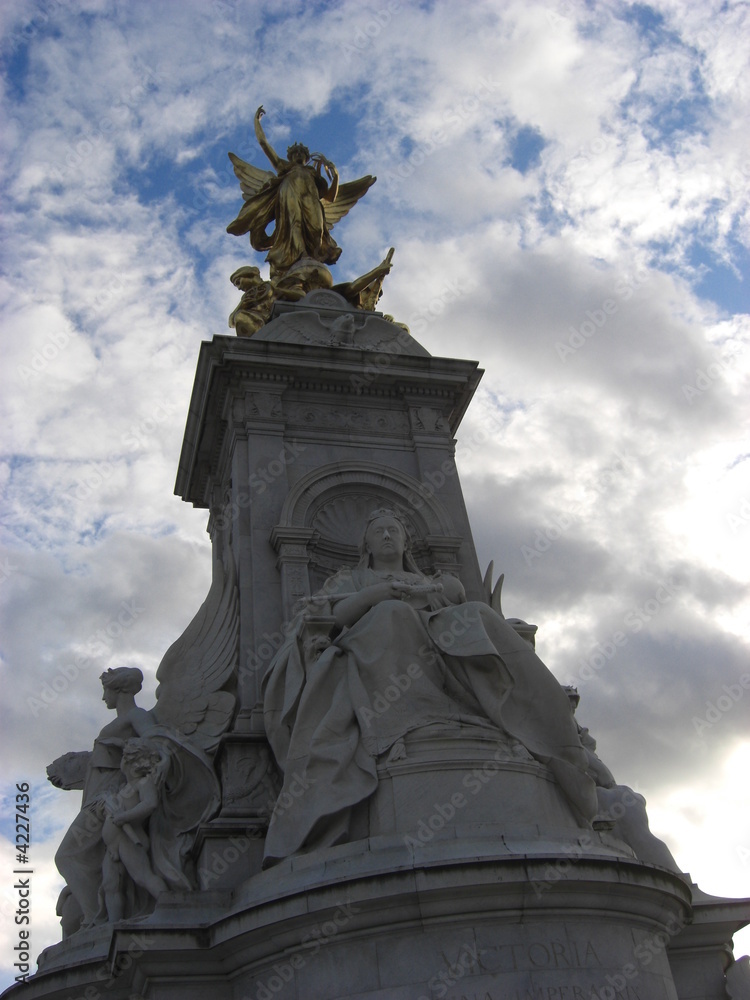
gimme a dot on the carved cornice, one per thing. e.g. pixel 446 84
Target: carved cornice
pixel 229 369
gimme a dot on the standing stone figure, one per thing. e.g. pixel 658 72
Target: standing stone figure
pixel 620 808
pixel 149 782
pixel 145 791
pixel 80 856
pixel 145 765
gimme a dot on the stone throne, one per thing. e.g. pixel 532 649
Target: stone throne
pixel 327 509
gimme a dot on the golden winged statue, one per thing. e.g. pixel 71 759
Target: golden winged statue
pixel 302 203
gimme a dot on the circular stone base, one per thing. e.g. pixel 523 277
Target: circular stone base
pixel 392 924
pixel 489 928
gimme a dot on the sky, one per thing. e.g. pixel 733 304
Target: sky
pixel 566 187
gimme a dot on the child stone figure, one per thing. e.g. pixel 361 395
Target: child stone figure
pixel 126 815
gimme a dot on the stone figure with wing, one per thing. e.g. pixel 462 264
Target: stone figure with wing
pixel 149 781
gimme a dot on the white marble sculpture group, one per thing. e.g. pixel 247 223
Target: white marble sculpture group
pixel 460 669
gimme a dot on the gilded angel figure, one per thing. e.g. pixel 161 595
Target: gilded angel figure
pixel 302 203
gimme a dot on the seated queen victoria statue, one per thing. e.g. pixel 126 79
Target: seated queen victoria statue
pixel 468 670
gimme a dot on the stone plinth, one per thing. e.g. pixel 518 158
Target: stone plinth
pixel 467 786
pixel 448 920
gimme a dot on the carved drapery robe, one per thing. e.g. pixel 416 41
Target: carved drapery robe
pixel 466 666
pixel 293 201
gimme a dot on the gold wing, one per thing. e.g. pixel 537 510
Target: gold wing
pixel 251 178
pixel 348 196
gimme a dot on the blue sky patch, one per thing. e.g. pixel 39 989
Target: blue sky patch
pixel 650 24
pixel 526 149
pixel 727 287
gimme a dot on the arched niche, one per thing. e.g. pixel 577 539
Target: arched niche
pixel 321 523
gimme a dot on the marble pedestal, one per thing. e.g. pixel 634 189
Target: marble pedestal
pixel 454 919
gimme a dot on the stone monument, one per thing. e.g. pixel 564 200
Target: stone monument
pixel 359 780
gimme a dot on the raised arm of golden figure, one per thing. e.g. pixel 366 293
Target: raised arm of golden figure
pixel 264 144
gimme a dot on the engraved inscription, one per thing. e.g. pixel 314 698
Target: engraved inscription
pixel 561 992
pixel 549 959
pixel 539 955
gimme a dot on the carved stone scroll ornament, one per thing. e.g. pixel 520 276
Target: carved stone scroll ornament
pixel 149 782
